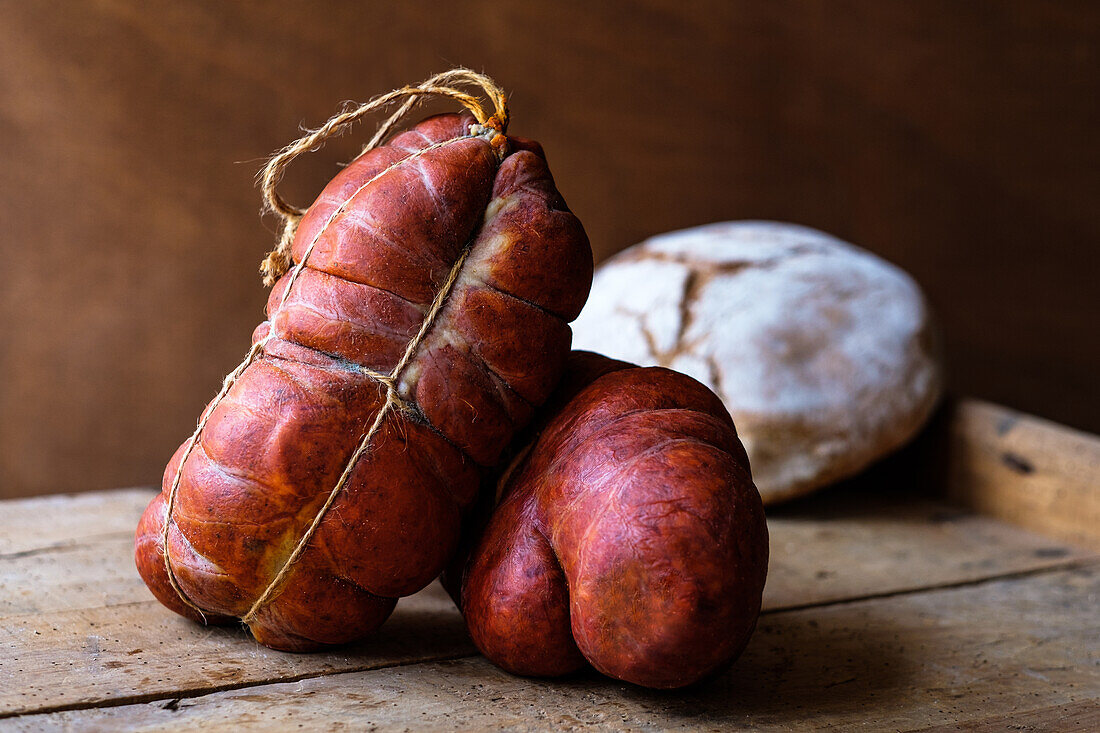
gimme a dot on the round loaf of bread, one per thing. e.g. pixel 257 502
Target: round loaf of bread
pixel 824 354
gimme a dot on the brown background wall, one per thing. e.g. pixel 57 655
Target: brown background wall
pixel 958 139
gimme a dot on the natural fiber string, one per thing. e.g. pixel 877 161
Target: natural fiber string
pixel 277 264
pixel 227 383
pixel 279 259
pixel 392 400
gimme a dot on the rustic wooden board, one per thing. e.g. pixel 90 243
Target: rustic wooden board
pixel 883 606
pixel 140 651
pixel 71 551
pixel 51 522
pixel 988 652
pixel 844 544
pixel 94 573
pixel 1025 470
pixel 847 544
pixel 81 630
pixel 1074 717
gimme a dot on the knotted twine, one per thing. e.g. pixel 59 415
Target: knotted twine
pixel 278 262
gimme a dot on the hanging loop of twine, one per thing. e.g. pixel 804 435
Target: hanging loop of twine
pixel 446 84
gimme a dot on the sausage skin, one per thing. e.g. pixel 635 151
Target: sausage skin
pixel 382 239
pixel 629 536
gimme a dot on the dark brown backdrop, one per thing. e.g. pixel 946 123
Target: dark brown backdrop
pixel 958 139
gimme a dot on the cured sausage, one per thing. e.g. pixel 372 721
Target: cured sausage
pixel 424 321
pixel 629 536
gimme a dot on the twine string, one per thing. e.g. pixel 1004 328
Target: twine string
pixel 278 263
pixel 279 259
pixel 392 401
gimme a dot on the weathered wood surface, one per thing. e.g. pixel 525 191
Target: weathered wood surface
pixel 66 552
pixel 844 544
pixel 1025 470
pixel 139 651
pixel 997 648
pixel 78 629
pixel 1074 717
pixel 64 520
pixel 883 606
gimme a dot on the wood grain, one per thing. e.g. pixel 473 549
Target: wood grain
pixel 141 651
pixel 1025 470
pixel 1074 717
pixel 1002 648
pixel 852 542
pixel 53 522
pixel 78 629
pixel 956 139
pixel 94 573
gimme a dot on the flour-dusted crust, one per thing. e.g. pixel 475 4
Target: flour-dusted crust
pixel 823 353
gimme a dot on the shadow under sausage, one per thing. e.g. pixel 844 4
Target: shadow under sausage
pixel 798 666
pixel 426 625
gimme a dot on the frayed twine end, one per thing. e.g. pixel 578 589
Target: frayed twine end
pixel 279 261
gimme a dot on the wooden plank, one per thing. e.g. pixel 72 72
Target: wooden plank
pixel 1025 470
pixel 65 519
pixel 847 543
pixel 81 630
pixel 93 572
pixel 70 551
pixel 865 540
pixel 1074 717
pixel 142 651
pixel 1004 648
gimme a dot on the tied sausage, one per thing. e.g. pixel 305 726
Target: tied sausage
pixel 447 211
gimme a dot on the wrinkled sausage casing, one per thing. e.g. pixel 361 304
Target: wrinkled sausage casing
pixel 273 449
pixel 630 535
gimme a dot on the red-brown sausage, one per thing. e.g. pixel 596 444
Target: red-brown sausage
pixel 385 236
pixel 630 536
